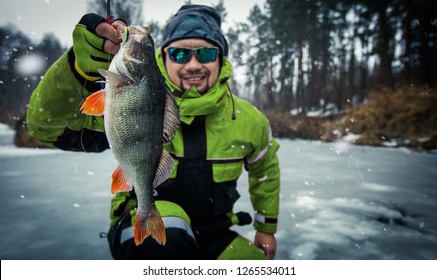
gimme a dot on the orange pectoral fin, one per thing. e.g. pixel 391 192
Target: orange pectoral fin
pixel 95 104
pixel 119 181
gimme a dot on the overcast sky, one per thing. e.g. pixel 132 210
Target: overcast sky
pixel 36 17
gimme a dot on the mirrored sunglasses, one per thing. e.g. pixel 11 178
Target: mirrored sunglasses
pixel 183 55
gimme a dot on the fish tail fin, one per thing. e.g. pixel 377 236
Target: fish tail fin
pixel 119 181
pixel 95 104
pixel 149 224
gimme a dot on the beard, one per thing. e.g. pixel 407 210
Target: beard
pixel 204 88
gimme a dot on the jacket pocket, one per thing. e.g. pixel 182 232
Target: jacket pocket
pixel 226 171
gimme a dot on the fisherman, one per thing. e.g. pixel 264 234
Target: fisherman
pixel 219 134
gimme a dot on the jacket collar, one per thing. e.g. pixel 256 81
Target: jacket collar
pixel 191 103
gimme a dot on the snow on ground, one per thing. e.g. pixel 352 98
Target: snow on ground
pixel 338 201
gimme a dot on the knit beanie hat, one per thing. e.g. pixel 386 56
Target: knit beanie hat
pixel 196 22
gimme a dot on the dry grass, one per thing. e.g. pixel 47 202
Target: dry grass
pixel 405 117
pixel 284 125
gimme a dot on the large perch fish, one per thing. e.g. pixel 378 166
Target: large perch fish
pixel 140 116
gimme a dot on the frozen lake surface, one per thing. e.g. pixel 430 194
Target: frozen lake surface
pixel 338 201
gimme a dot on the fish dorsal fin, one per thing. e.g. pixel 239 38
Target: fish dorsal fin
pixel 164 169
pixel 120 182
pixel 94 104
pixel 114 79
pixel 171 118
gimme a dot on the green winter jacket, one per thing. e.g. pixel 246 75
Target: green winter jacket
pixel 232 143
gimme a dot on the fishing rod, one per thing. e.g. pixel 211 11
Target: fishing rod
pixel 108 11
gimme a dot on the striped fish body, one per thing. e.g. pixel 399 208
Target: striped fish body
pixel 140 116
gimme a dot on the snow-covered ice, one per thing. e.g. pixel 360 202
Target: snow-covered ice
pixel 338 201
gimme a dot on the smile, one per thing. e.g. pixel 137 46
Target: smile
pixel 194 79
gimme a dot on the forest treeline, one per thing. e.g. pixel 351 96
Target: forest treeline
pixel 301 56
pixel 325 54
